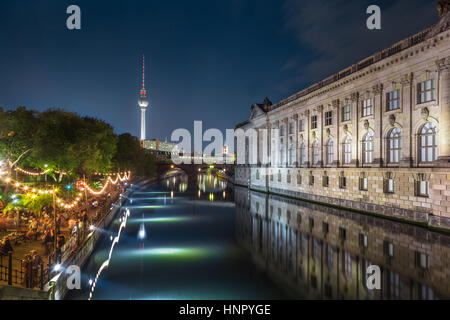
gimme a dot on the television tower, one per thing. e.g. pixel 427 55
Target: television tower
pixel 143 101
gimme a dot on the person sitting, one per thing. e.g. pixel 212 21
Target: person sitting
pixel 6 246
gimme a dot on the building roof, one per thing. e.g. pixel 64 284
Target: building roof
pixel 443 7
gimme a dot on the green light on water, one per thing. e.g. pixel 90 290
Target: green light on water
pixel 158 220
pixel 145 207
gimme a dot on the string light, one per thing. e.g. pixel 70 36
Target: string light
pixel 70 204
pixel 31 173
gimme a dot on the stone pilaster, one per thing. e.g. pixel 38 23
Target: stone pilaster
pixel 295 118
pixel 337 139
pixel 378 155
pixel 306 114
pixel 355 127
pixel 444 102
pixel 407 105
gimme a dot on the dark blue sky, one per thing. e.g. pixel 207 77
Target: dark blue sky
pixel 206 59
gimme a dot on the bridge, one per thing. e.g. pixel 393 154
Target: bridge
pixel 193 165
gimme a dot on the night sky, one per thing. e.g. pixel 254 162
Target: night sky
pixel 206 59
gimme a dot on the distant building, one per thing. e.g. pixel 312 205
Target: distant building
pixel 159 147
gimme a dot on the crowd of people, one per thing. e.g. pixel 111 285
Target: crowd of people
pixel 40 230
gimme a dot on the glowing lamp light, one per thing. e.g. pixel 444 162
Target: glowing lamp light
pixel 7 179
pixel 91 227
pixel 57 267
pixel 69 187
pixel 90 282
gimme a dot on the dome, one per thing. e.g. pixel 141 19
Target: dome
pixel 143 102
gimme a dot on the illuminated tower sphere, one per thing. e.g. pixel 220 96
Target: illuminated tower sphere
pixel 143 101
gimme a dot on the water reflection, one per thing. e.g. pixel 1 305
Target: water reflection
pixel 209 186
pixel 323 253
pixel 209 183
pixel 176 181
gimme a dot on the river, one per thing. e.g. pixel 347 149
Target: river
pixel 203 239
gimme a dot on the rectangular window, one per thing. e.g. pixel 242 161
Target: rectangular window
pixel 311 180
pixel 291 128
pixel 283 131
pixel 389 186
pixel 367 108
pixel 388 248
pixel 393 100
pixel 426 91
pixel 302 125
pixel 364 185
pixel 422 260
pixel 423 188
pixel 328 118
pixel 314 122
pixel 342 182
pixel 363 240
pixel 326 181
pixel 346 113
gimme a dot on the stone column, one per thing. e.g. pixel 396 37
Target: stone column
pixel 295 117
pixel 444 102
pixel 321 124
pixel 378 155
pixel 258 149
pixel 354 116
pixel 286 141
pixel 337 140
pixel 407 134
pixel 308 140
pixel 269 143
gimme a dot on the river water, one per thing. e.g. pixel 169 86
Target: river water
pixel 202 239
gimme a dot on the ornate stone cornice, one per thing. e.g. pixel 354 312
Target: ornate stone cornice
pixel 407 79
pixel 318 108
pixel 377 89
pixel 335 103
pixel 443 64
pixel 443 7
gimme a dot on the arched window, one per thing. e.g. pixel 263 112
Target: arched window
pixel 428 143
pixel 303 153
pixel 347 150
pixel 330 152
pixel 367 147
pixel 282 152
pixel 394 145
pixel 315 147
pixel 292 154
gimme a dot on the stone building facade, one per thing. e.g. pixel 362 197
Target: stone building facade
pixel 321 253
pixel 372 137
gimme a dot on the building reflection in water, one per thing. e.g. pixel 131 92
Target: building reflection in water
pixel 323 253
pixel 206 185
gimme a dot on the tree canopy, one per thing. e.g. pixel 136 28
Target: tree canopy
pixel 61 141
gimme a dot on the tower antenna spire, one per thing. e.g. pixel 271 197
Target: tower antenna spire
pixel 143 91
